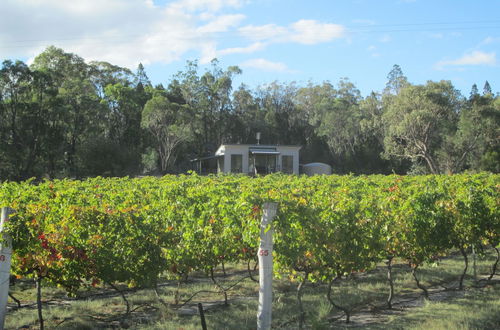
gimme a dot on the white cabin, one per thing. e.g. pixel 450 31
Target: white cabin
pixel 251 159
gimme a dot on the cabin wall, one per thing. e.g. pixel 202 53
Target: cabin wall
pixel 289 151
pixel 236 150
pixel 227 150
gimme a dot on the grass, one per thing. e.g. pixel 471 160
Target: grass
pixel 476 307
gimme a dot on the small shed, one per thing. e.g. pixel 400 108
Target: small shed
pixel 316 169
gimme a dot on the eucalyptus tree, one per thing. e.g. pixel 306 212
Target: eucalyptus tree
pixel 209 100
pixel 478 132
pixel 370 150
pixel 473 92
pixel 336 118
pixel 216 88
pixel 163 119
pixel 418 123
pixel 312 100
pixel 77 102
pixel 284 125
pixel 248 117
pixel 396 81
pixel 487 89
pixel 15 80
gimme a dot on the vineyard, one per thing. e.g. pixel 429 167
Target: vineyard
pixel 138 232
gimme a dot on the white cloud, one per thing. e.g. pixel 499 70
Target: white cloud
pixel 208 52
pixel 265 65
pixel 210 5
pixel 268 32
pixel 308 32
pixel 311 32
pixel 221 23
pixel 474 58
pixel 123 32
pixel 243 50
pixel 126 32
pixel 489 41
pixel 75 7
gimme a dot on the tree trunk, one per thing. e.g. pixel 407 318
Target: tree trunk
pixel 420 286
pixel 123 297
pixel 494 269
pixel 160 299
pixel 177 290
pixel 18 302
pixel 391 283
pixel 346 311
pixel 302 315
pixel 38 282
pixel 223 268
pixel 220 287
pixel 250 272
pixel 466 261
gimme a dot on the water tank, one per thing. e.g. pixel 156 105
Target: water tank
pixel 316 169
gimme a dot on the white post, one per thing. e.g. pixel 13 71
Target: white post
pixel 265 255
pixel 5 257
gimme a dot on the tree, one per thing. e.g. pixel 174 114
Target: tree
pixel 418 121
pixel 124 107
pixel 334 114
pixel 396 81
pixel 340 121
pixel 474 91
pixel 371 146
pixel 163 120
pixel 479 128
pixel 15 82
pixel 487 89
pixel 141 78
pixel 209 98
pixel 247 116
pixel 117 141
pixel 30 122
pixel 284 125
pixel 77 99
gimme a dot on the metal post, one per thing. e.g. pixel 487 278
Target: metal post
pixel 202 317
pixel 5 259
pixel 265 255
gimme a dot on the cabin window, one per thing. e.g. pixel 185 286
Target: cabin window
pixel 236 163
pixel 287 164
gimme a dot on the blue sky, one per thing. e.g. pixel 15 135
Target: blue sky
pixel 282 40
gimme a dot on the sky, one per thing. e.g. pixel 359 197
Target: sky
pixel 270 40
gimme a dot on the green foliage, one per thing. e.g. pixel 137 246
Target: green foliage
pixel 418 122
pixel 62 117
pixel 75 233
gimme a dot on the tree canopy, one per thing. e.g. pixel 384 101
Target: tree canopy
pixel 64 117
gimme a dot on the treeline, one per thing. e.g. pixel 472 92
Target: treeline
pixel 63 117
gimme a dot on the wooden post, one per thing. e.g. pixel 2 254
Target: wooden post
pixel 5 259
pixel 265 255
